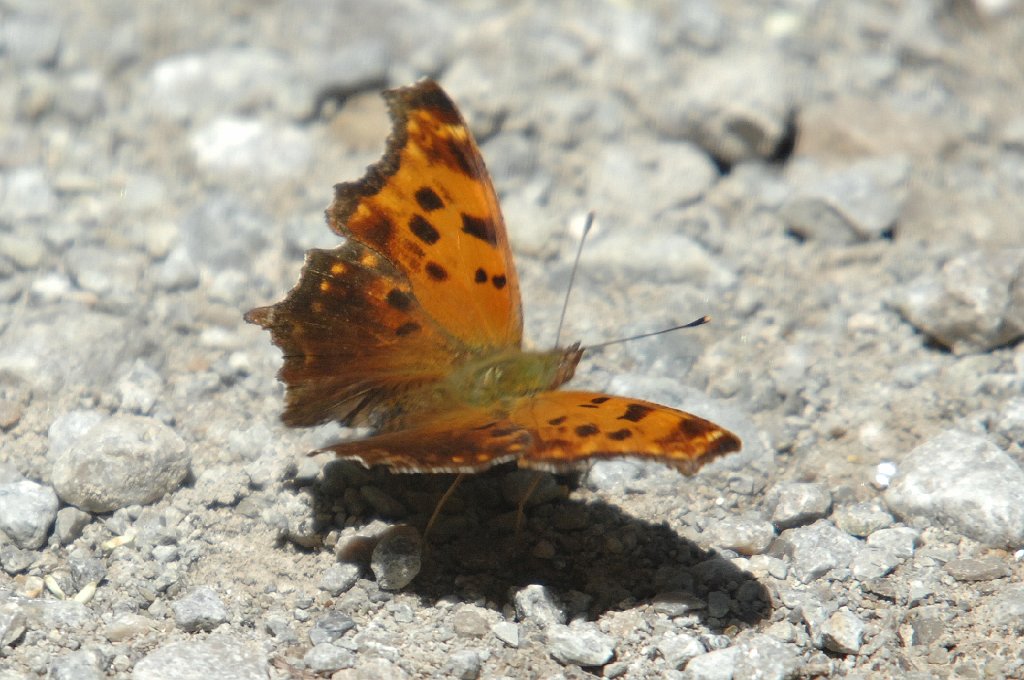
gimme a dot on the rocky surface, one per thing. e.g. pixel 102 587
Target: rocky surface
pixel 839 185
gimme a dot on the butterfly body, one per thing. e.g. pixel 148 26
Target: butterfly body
pixel 413 326
pixel 512 374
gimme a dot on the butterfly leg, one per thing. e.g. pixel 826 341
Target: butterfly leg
pixel 521 507
pixel 440 504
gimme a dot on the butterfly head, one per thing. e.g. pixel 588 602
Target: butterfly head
pixel 570 357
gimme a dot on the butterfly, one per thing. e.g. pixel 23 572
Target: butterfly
pixel 413 327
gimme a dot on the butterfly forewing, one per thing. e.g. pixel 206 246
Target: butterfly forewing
pixel 429 207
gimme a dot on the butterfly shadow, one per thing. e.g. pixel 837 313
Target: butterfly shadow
pixel 592 555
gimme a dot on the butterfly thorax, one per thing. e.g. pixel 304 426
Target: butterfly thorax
pixel 511 373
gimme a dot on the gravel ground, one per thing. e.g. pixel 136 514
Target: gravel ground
pixel 840 185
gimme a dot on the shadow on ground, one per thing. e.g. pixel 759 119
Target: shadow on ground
pixel 596 556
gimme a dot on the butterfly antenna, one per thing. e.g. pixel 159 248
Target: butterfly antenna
pixel 572 277
pixel 696 322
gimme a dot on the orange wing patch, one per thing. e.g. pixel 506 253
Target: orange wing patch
pixel 569 427
pixel 429 207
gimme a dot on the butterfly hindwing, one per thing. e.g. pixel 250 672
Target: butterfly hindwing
pixel 429 207
pixel 355 340
pixel 467 439
pixel 569 427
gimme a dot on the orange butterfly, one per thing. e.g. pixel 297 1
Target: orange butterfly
pixel 413 326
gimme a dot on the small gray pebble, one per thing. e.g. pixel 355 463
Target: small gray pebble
pixel 127 626
pixel 330 627
pixel 401 612
pixel 463 665
pixel 972 305
pixel 199 609
pixel 537 604
pixel 677 603
pixel 139 389
pixel 871 563
pixel 762 656
pixel 678 648
pixel 861 519
pixel 15 560
pixel 815 549
pixel 326 658
pixel 843 632
pixel 978 569
pixel 965 483
pixel 800 503
pixel 121 461
pixel 930 624
pixel 858 202
pixel 900 540
pixel 718 664
pixel 85 569
pixel 27 511
pixel 339 578
pixel 581 644
pixel 469 622
pixel 84 664
pixel 745 536
pixel 280 629
pixel 396 559
pixel 613 475
pixel 165 553
pixel 70 523
pixel 12 623
pixel 507 632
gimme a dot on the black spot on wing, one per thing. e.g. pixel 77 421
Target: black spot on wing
pixel 428 199
pixel 423 230
pixel 480 276
pixel 599 400
pixel 620 435
pixel 436 271
pixel 557 421
pixel 694 427
pixel 399 300
pixel 499 281
pixel 635 413
pixel 407 329
pixel 482 229
pixel 587 430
